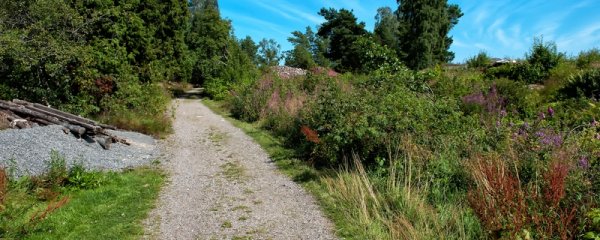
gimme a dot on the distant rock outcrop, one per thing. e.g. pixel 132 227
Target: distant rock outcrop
pixel 285 72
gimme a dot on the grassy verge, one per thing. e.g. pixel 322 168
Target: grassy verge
pixel 362 205
pixel 89 205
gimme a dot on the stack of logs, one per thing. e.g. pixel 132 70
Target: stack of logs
pixel 22 114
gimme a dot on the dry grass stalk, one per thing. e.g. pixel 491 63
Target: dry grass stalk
pixel 3 185
pixel 52 206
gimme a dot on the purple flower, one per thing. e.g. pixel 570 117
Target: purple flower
pixel 550 111
pixel 584 163
pixel 549 138
pixel 594 123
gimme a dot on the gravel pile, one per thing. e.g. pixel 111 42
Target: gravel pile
pixel 285 72
pixel 27 151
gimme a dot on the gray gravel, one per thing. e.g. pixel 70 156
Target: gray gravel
pixel 224 186
pixel 27 151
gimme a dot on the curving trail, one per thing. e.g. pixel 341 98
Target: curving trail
pixel 224 186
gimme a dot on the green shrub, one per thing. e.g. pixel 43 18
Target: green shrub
pixel 544 55
pixel 518 98
pixel 523 72
pixel 80 178
pixel 594 231
pixel 479 61
pixel 138 107
pixel 589 58
pixel 585 84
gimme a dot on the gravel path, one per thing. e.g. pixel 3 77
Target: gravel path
pixel 224 186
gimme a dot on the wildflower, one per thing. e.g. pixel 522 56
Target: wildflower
pixel 550 111
pixel 595 123
pixel 598 136
pixel 541 115
pixel 584 163
pixel 503 113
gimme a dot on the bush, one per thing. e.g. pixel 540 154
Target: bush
pixel 589 58
pixel 138 107
pixel 544 55
pixel 523 72
pixel 594 231
pixel 479 61
pixel 585 84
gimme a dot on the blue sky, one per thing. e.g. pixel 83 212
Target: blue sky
pixel 502 28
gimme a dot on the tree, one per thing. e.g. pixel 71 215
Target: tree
pixel 268 53
pixel 341 30
pixel 301 56
pixel 250 48
pixel 208 39
pixel 544 55
pixel 423 31
pixel 372 56
pixel 386 28
pixel 309 50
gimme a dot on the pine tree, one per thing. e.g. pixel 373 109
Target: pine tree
pixel 423 31
pixel 341 30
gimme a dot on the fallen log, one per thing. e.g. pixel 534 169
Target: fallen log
pixel 63 114
pixel 18 109
pixel 104 142
pixel 115 138
pixel 76 130
pixel 89 127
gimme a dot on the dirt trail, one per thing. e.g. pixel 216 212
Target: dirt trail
pixel 224 186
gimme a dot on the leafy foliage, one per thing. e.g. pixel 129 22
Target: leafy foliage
pixel 308 50
pixel 268 53
pixel 589 58
pixel 387 28
pixel 481 60
pixel 585 84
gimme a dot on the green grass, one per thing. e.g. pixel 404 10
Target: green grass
pixel 234 171
pixel 113 210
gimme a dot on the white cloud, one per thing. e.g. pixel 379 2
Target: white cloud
pixel 289 11
pixel 587 37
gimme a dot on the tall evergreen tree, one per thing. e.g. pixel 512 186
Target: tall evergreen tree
pixel 341 30
pixel 423 31
pixel 250 48
pixel 208 40
pixel 386 28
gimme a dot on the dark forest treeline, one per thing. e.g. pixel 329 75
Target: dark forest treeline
pixel 93 57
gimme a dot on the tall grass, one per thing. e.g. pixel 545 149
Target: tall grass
pixel 142 108
pixel 394 205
